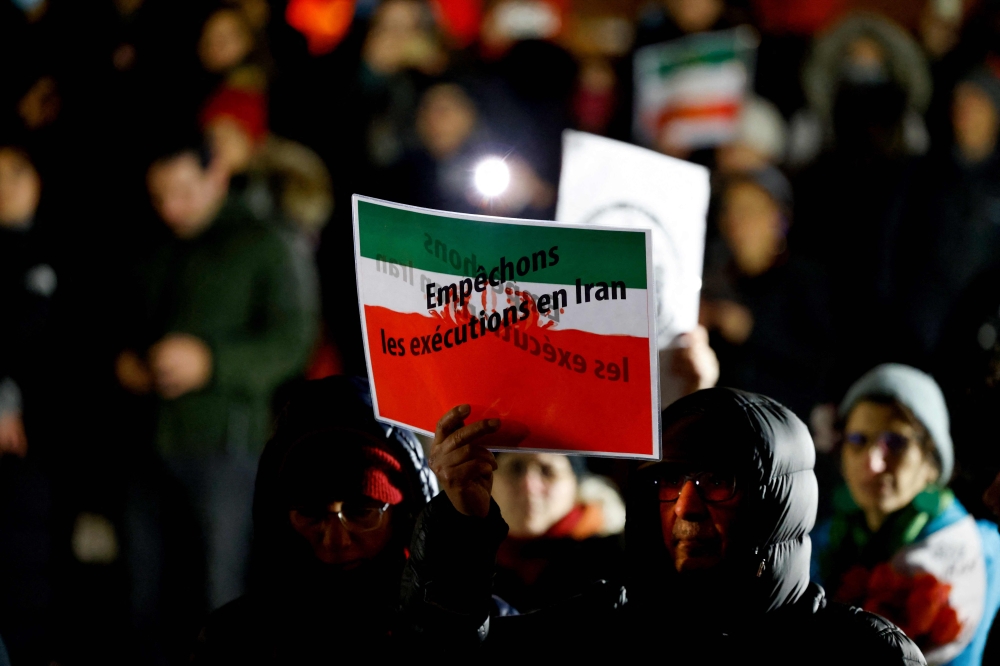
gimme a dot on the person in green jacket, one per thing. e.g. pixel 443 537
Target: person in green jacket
pixel 227 316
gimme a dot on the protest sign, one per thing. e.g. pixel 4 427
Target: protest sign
pixel 612 183
pixel 689 91
pixel 616 184
pixel 547 326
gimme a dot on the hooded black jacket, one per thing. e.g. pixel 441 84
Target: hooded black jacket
pixel 761 607
pixel 299 610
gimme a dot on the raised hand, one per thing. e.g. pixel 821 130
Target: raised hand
pixel 694 361
pixel 464 466
pixel 180 363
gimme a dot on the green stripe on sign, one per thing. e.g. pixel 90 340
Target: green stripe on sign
pixel 704 49
pixel 459 247
pixel 679 61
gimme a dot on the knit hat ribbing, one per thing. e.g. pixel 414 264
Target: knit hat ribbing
pixel 334 465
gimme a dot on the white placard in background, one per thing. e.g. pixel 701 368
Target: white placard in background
pixel 612 183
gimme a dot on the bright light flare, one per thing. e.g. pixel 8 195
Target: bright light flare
pixel 492 176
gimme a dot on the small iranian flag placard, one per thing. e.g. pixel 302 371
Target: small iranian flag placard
pixel 689 91
pixel 548 327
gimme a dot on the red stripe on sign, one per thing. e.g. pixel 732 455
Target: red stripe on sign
pixel 726 110
pixel 552 389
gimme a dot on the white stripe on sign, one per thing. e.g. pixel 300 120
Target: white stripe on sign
pixel 697 85
pixel 623 312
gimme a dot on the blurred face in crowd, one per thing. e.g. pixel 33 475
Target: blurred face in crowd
pixel 751 224
pixel 695 15
pixel 345 534
pixel 230 144
pixel 41 104
pixel 185 194
pixel 699 503
pixel 884 460
pixel 20 188
pixel 445 120
pixel 534 491
pixel 940 27
pixel 225 41
pixel 865 61
pixel 400 38
pixel 975 121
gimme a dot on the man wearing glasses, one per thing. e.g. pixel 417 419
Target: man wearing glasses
pixel 717 544
pixel 697 511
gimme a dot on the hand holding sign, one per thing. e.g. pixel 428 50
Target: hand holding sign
pixel 464 466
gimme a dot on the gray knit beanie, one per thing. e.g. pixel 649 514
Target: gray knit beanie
pixel 919 393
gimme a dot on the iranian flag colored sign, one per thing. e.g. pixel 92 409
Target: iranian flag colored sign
pixel 689 91
pixel 548 327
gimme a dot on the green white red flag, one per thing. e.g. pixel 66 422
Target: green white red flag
pixel 689 91
pixel 549 327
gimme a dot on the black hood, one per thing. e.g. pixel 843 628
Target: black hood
pixel 339 409
pixel 773 456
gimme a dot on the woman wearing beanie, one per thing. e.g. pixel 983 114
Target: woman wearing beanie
pixel 333 510
pixel 899 543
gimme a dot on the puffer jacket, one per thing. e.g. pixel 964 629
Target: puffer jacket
pixel 762 607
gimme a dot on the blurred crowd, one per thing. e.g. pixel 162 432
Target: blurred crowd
pixel 176 260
